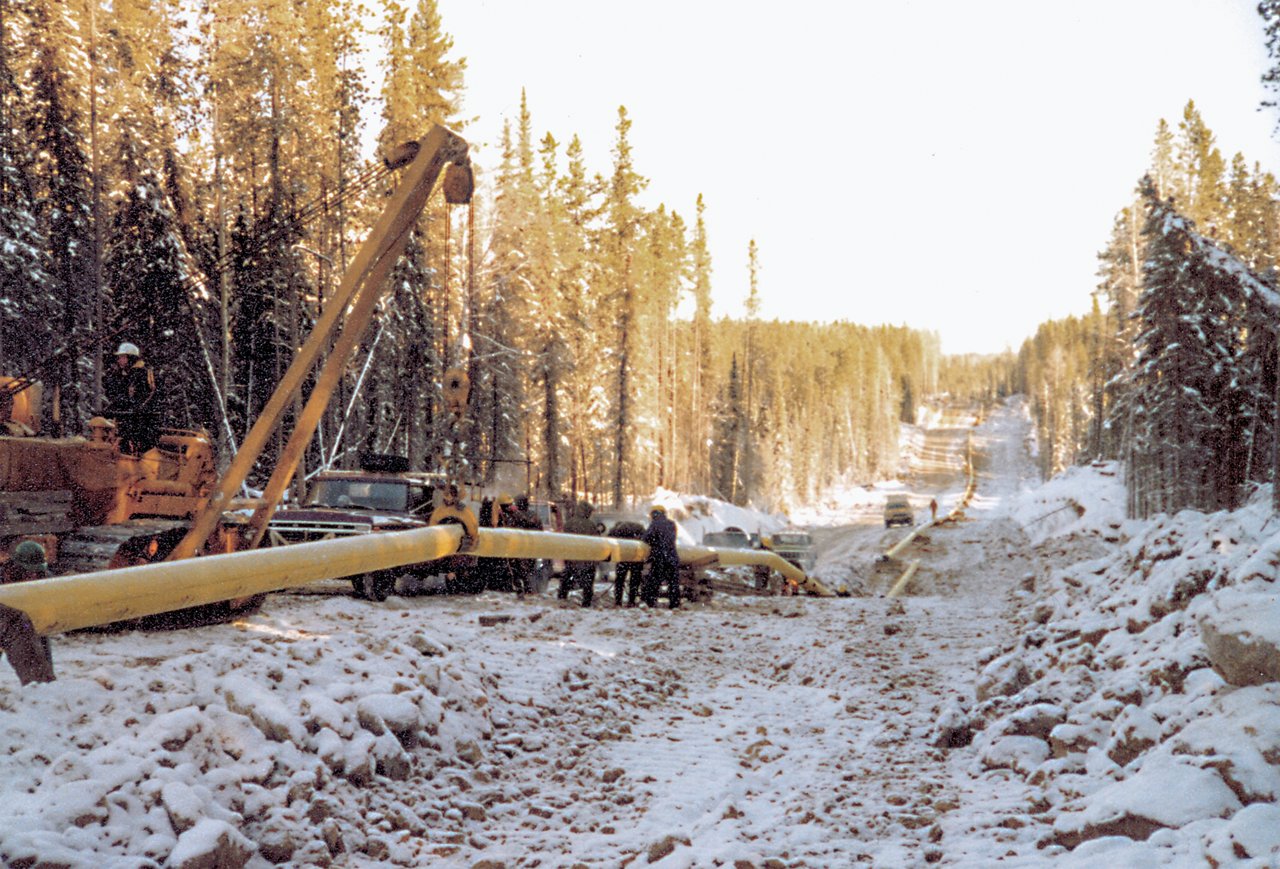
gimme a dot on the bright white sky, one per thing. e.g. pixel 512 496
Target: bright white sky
pixel 955 166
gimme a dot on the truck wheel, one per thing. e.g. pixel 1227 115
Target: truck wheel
pixel 371 586
pixel 386 585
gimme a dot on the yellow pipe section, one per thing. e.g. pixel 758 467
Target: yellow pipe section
pixel 760 557
pixel 901 544
pixel 901 584
pixel 67 603
pixel 511 543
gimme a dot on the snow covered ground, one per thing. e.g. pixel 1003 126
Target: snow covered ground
pixel 1040 695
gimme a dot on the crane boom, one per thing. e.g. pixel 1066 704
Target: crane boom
pixel 351 308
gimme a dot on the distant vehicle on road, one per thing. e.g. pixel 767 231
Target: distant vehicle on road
pixel 897 511
pixel 730 538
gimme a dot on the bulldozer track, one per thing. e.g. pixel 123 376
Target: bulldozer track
pixel 100 547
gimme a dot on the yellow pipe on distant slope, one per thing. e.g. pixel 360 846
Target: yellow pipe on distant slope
pixel 901 584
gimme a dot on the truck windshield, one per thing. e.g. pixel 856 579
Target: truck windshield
pixel 370 494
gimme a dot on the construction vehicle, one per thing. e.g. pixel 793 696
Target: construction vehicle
pixel 383 495
pixel 91 506
pixel 346 315
pixel 94 508
pixel 793 544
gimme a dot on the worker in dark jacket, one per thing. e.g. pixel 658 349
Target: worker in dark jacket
pixel 664 561
pixel 130 388
pixel 629 573
pixel 28 652
pixel 516 514
pixel 579 574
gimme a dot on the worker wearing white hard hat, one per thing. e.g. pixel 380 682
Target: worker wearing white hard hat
pixel 130 388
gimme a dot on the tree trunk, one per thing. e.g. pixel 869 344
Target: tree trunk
pixel 621 432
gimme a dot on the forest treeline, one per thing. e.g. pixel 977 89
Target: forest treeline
pixel 192 179
pixel 1173 371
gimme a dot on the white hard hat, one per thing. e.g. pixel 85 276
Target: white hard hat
pixel 127 349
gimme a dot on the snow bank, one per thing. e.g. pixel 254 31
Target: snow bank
pixel 269 740
pixel 1153 758
pixel 696 515
pixel 1087 500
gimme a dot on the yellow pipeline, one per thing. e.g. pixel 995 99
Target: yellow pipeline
pixel 772 560
pixel 901 584
pixel 68 603
pixel 902 544
pixel 540 544
pixel 510 543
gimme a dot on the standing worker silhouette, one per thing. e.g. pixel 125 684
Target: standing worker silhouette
pixel 130 387
pixel 664 561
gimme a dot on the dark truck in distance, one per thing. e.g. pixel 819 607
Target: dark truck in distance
pixel 794 545
pixel 731 537
pixel 383 496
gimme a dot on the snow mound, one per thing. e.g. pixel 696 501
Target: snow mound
pixel 1085 500
pixel 1151 758
pixel 273 749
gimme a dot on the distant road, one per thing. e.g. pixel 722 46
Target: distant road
pixel 846 553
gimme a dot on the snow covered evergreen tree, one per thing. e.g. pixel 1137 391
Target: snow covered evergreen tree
pixel 622 224
pixel 147 278
pixel 62 174
pixel 1190 380
pixel 26 304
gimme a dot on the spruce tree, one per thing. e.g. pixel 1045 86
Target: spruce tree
pixel 622 221
pixel 147 273
pixel 726 450
pixel 26 302
pixel 700 393
pixel 1191 410
pixel 54 130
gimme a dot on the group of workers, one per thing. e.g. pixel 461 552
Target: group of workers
pixel 640 580
pixel 643 580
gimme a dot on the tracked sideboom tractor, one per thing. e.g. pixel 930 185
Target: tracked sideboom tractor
pixel 94 507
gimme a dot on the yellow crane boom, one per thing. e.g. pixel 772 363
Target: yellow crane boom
pixel 351 307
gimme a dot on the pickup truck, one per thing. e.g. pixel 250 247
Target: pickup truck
pixel 897 511
pixel 343 503
pixel 795 546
